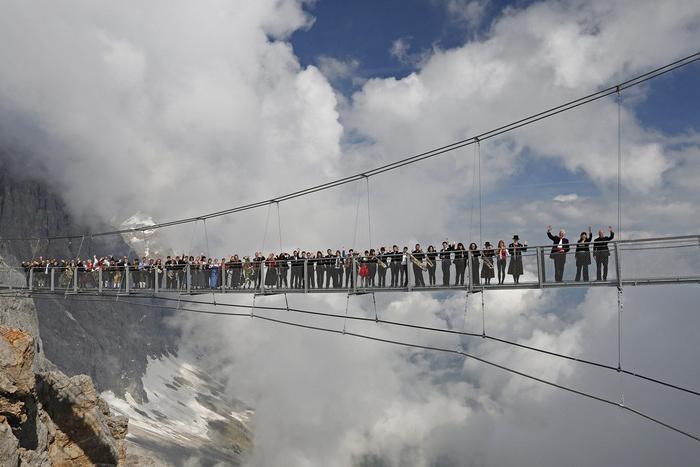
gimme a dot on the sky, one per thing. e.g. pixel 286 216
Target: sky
pixel 171 109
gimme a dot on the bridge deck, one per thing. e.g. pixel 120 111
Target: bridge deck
pixel 657 261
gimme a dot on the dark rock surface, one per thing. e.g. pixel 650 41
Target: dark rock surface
pixel 110 342
pixel 47 418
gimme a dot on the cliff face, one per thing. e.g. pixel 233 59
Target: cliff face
pixel 47 418
pixel 128 351
pixel 109 341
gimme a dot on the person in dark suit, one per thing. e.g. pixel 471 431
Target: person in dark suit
pixel 382 267
pixel 417 270
pixel 601 253
pixel 460 262
pixel 446 260
pixel 583 255
pixel 395 265
pixel 560 247
pixel 474 254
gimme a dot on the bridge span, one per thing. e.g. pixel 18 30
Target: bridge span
pixel 649 261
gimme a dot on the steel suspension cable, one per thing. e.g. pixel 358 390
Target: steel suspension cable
pixel 466 355
pixel 38 295
pixel 619 163
pixel 550 112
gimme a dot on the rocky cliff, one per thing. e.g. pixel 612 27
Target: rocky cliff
pixel 130 353
pixel 50 419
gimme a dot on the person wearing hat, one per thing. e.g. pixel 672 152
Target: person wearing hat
pixel 487 263
pixel 516 250
pixel 560 247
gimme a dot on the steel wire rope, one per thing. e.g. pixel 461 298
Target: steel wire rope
pixel 550 112
pixel 466 355
pixel 12 294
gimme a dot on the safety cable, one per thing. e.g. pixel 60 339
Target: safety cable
pixel 466 355
pixel 88 298
pixel 592 97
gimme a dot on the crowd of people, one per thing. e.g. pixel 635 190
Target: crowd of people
pixel 332 269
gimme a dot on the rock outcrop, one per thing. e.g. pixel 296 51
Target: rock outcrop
pixel 50 419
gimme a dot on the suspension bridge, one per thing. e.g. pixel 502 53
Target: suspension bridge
pixel 632 262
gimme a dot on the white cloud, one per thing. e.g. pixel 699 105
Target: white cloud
pixel 175 108
pixel 566 198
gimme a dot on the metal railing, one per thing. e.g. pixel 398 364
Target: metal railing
pixel 628 262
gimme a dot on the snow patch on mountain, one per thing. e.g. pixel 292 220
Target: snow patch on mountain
pixel 186 409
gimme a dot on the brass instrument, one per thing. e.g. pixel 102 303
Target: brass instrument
pixel 379 261
pixel 417 262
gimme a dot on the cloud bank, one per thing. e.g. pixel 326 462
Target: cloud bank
pixel 175 108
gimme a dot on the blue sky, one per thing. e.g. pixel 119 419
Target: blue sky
pixel 364 30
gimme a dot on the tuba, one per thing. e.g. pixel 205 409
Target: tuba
pixel 417 262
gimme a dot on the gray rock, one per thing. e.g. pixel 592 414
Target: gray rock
pixel 9 454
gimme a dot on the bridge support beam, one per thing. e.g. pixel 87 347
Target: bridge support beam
pixel 540 266
pixel 618 266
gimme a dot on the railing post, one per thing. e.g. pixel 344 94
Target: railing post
pixel 468 272
pixel 409 269
pixel 188 278
pixel 99 279
pixel 127 279
pixel 540 266
pixel 261 271
pixel 354 274
pixel 306 275
pixel 618 267
pixel 53 279
pixel 31 279
pixel 75 279
pixel 223 275
pixel 155 280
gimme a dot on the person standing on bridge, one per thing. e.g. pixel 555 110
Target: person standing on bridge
pixel 446 260
pixel 487 263
pixel 271 274
pixel 432 264
pixel 474 254
pixel 418 256
pixel 338 269
pixel 560 247
pixel 257 266
pixel 395 265
pixel 329 267
pixel 310 270
pixel 601 253
pixel 460 263
pixel 516 250
pixel 501 258
pixel 583 255
pixel 320 268
pixel 404 267
pixel 382 265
